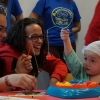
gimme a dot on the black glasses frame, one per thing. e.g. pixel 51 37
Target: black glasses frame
pixel 35 37
pixel 3 30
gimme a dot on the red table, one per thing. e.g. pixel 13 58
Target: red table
pixel 44 97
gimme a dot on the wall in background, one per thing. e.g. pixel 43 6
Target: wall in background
pixel 86 9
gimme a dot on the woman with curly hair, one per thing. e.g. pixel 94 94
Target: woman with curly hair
pixel 29 33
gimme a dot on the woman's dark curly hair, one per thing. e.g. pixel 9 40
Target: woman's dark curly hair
pixel 5 2
pixel 1 12
pixel 16 38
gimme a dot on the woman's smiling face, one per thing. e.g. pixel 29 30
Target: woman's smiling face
pixel 34 36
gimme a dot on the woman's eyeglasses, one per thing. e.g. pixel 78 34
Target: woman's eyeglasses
pixel 3 30
pixel 35 37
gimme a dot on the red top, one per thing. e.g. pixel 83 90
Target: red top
pixel 93 33
pixel 55 67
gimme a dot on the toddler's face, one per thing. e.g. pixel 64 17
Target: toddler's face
pixel 91 63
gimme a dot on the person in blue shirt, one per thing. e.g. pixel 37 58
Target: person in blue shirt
pixel 58 15
pixel 11 7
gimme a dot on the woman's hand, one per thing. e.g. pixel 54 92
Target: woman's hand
pixel 24 64
pixel 23 81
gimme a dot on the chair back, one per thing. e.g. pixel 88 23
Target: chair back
pixel 69 77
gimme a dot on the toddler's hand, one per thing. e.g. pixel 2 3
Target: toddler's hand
pixel 64 34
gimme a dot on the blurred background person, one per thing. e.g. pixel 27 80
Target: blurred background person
pixel 11 8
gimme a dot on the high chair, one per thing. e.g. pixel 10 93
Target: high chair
pixel 69 77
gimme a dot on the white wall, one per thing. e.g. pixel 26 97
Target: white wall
pixel 86 9
pixel 27 6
